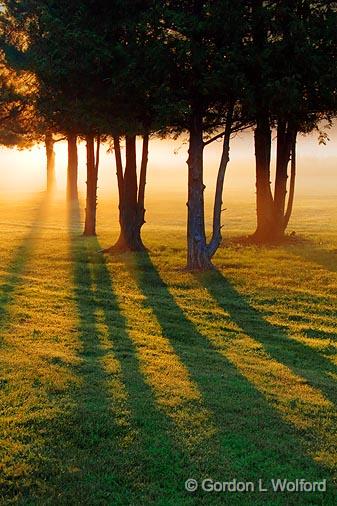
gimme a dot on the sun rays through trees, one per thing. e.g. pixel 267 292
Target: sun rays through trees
pixel 145 343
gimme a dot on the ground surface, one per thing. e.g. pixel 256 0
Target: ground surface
pixel 122 377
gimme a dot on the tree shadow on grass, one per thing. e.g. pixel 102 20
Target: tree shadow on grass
pixel 118 440
pixel 310 251
pixel 300 358
pixel 255 441
pixel 21 256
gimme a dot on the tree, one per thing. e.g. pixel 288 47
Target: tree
pixel 207 46
pixel 92 176
pixel 28 126
pixel 94 87
pixel 135 100
pixel 131 195
pixel 72 169
pixel 292 96
pixel 62 52
pixel 20 126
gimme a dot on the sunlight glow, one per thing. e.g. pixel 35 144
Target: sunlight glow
pixel 24 171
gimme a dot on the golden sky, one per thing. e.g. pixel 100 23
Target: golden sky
pixel 24 171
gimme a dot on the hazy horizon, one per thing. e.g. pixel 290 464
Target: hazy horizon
pixel 24 171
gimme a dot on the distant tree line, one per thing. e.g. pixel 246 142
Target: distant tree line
pixel 114 72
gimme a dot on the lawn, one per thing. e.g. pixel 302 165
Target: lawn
pixel 122 377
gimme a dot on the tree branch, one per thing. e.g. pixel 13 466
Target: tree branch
pixel 236 129
pixel 143 171
pixel 292 183
pixel 98 146
pixel 215 138
pixel 216 235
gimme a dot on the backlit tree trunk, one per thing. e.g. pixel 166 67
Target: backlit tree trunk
pixel 272 215
pixel 72 171
pixel 197 254
pixel 264 198
pixel 131 199
pixel 217 210
pixel 91 201
pixel 50 155
pixel 142 183
pixel 290 204
pixel 284 143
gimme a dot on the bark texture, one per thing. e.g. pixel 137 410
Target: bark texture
pixel 197 253
pixel 292 183
pixel 284 145
pixel 131 195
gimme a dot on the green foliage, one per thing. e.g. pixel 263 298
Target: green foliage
pixel 117 67
pixel 206 41
pixel 97 63
pixel 292 62
pixel 13 108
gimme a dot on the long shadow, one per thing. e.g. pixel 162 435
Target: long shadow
pixel 310 251
pixel 64 448
pixel 255 440
pixel 300 358
pixel 88 427
pixel 86 453
pixel 15 271
pixel 148 465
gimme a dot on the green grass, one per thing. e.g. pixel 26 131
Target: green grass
pixel 122 377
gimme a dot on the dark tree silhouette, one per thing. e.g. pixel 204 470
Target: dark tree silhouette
pixel 291 88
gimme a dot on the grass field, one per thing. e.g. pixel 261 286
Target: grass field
pixel 123 377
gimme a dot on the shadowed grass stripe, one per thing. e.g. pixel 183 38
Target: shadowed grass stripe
pixel 15 271
pixel 141 458
pixel 250 424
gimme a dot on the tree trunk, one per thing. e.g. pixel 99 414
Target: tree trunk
pixel 130 226
pixel 284 142
pixel 91 202
pixel 292 183
pixel 50 154
pixel 197 253
pixel 264 198
pixel 131 199
pixel 119 168
pixel 72 171
pixel 216 235
pixel 142 182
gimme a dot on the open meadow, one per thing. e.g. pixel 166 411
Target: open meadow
pixel 122 377
pixel 168 253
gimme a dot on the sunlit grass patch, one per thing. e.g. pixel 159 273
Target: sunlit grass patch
pixel 300 403
pixel 122 377
pixel 174 390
